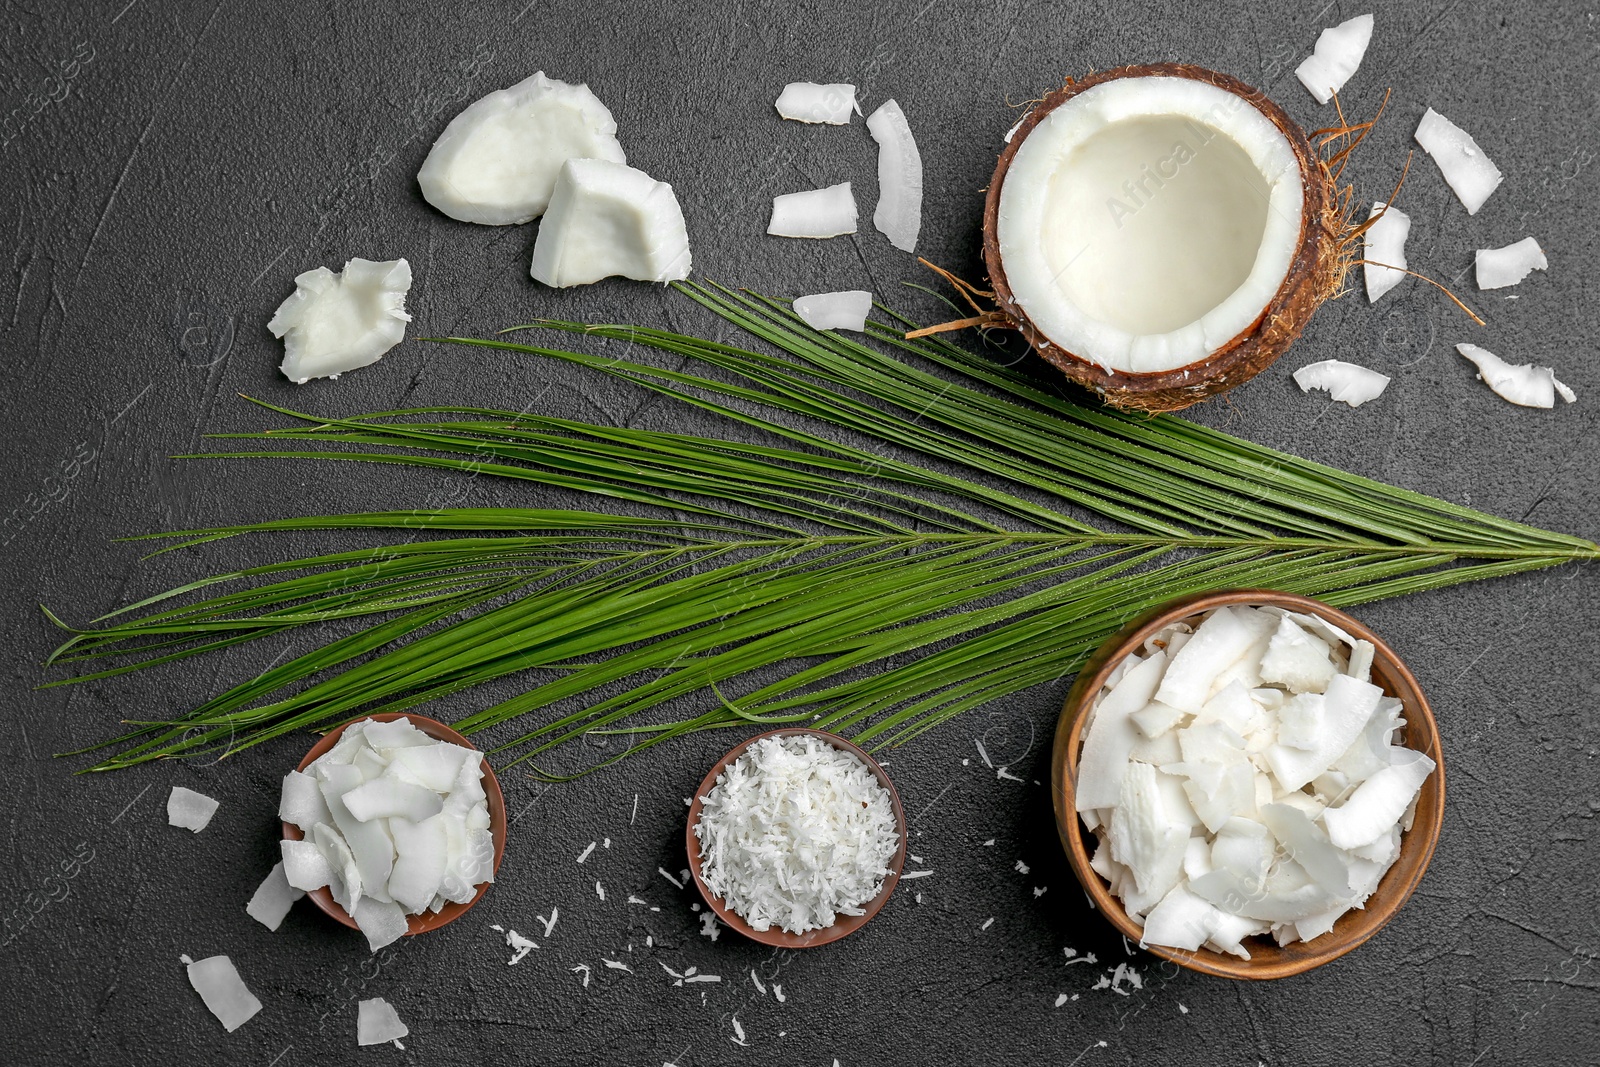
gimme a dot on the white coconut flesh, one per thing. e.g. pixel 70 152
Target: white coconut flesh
pixel 835 311
pixel 1524 385
pixel 1500 267
pixel 1338 53
pixel 1345 382
pixel 610 220
pixel 334 323
pixel 1384 249
pixel 814 213
pixel 1148 221
pixel 832 104
pixel 497 161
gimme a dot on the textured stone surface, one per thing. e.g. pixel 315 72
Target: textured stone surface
pixel 169 167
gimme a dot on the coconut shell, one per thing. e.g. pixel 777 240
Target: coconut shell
pixel 1315 272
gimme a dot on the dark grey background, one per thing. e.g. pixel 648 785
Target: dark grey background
pixel 169 167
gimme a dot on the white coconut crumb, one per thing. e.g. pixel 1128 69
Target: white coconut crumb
pixel 913 857
pixel 989 843
pixel 919 898
pixel 1338 52
pixel 1061 998
pixel 586 852
pixel 702 978
pixel 189 809
pixel 709 927
pixel 607 843
pixel 738 1034
pixel 583 968
pixel 635 900
pixel 521 944
pixel 1005 773
pixel 649 942
pixel 616 965
pixel 635 814
pixel 983 754
pixel 777 993
pixel 1183 1008
pixel 965 762
pixel 1039 891
pixel 987 923
pixel 600 890
pixel 1090 959
pixel 663 872
pixel 670 971
pixel 754 978
pixel 1466 169
pixel 908 875
pixel 1498 268
pixel 1022 868
pixel 550 923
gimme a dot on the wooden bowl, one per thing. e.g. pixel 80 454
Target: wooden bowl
pixel 415 924
pixel 1267 959
pixel 843 924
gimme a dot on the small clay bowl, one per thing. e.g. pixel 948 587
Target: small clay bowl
pixel 415 924
pixel 843 924
pixel 1267 960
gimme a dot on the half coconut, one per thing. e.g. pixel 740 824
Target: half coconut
pixel 1162 233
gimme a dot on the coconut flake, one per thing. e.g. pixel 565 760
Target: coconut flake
pixel 1109 738
pixel 607 220
pixel 1378 803
pixel 384 922
pixel 1526 384
pixel 219 985
pixel 1501 267
pixel 273 898
pixel 809 102
pixel 835 311
pixel 817 213
pixel 1465 167
pixel 1384 249
pixel 377 1022
pixel 899 213
pixel 1338 53
pixel 1345 382
pixel 189 809
pixel 334 323
pixel 497 161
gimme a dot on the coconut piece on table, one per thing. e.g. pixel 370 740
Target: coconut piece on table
pixel 1379 802
pixel 899 212
pixel 385 798
pixel 815 213
pixel 1110 735
pixel 1384 249
pixel 1347 706
pixel 333 323
pixel 1146 836
pixel 382 921
pixel 1347 383
pixel 273 898
pixel 810 102
pixel 420 856
pixel 1465 166
pixel 305 866
pixel 189 809
pixel 378 1022
pixel 1335 58
pixel 1500 267
pixel 846 310
pixel 1525 385
pixel 300 801
pixel 368 842
pixel 217 981
pixel 497 162
pixel 608 220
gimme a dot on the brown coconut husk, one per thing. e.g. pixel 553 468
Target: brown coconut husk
pixel 1325 254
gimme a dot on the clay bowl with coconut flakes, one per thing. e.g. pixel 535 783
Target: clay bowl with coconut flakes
pixel 843 925
pixel 1354 927
pixel 415 924
pixel 1161 233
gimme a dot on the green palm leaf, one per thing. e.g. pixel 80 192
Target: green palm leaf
pixel 878 591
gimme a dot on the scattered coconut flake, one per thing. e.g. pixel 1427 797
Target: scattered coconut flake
pixel 777 992
pixel 899 212
pixel 189 809
pixel 520 944
pixel 846 310
pixel 550 923
pixel 497 162
pixel 586 852
pixel 1501 267
pixel 809 102
pixel 1465 167
pixel 816 213
pixel 1004 774
pixel 1345 382
pixel 1338 53
pixel 1384 249
pixel 1061 998
pixel 333 323
pixel 1526 384
pixel 709 927
pixel 616 965
pixel 795 833
pixel 691 978
pixel 738 1034
pixel 609 220
pixel 987 923
pixel 1022 868
pixel 600 890
pixel 908 875
pixel 663 872
pixel 273 898
pixel 217 981
pixel 378 1022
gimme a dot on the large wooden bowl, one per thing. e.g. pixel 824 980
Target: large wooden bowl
pixel 1267 959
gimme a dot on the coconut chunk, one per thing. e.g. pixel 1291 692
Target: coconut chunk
pixel 1466 169
pixel 899 212
pixel 378 1022
pixel 1181 920
pixel 368 842
pixel 608 220
pixel 396 733
pixel 189 809
pixel 383 921
pixel 273 898
pixel 1217 792
pixel 1347 706
pixel 1310 847
pixel 1297 660
pixel 1337 54
pixel 300 801
pixel 835 311
pixel 1156 718
pixel 1110 736
pixel 816 213
pixel 305 867
pixel 333 323
pixel 217 981
pixel 434 766
pixel 1378 803
pixel 421 851
pixel 809 102
pixel 385 798
pixel 345 881
pixel 1384 249
pixel 1347 383
pixel 1144 837
pixel 1500 267
pixel 497 162
pixel 1525 385
pixel 1300 721
pixel 1222 639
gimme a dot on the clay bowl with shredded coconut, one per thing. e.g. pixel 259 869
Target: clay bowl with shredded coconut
pixel 878 857
pixel 415 924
